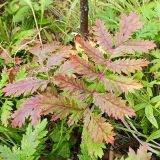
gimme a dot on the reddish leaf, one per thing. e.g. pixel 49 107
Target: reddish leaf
pixel 141 153
pixel 127 65
pixel 92 52
pixel 128 25
pixel 72 86
pixel 4 54
pixel 58 57
pixel 121 84
pixel 31 108
pixel 98 129
pixel 133 46
pixel 112 105
pixel 102 35
pixel 66 69
pixel 47 48
pixel 25 86
pixel 83 67
pixel 62 107
pixel 50 55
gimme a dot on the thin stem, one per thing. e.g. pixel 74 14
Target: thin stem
pixel 140 141
pixel 9 138
pixel 39 34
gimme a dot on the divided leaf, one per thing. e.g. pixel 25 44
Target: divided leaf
pixel 25 86
pixel 141 154
pixel 102 35
pixel 53 56
pixel 38 50
pixel 31 144
pixel 62 107
pixel 66 69
pixel 31 107
pixel 128 25
pixel 92 52
pixel 6 153
pixel 120 84
pixel 133 46
pixel 58 57
pixel 127 65
pixel 82 67
pixel 94 149
pixel 72 86
pixel 32 140
pixel 50 54
pixel 112 105
pixel 21 74
pixel 6 112
pixel 98 128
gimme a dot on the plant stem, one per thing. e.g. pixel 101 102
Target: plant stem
pixel 84 17
pixel 38 30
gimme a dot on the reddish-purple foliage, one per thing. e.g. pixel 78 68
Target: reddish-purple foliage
pixel 30 108
pixel 25 86
pixel 106 67
pixel 112 105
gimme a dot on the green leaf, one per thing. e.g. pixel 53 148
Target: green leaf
pixel 154 135
pixel 21 14
pixel 36 6
pixel 34 135
pixel 156 53
pixel 139 106
pixel 63 150
pixel 155 99
pixel 22 35
pixel 21 74
pixel 6 111
pixel 13 6
pixel 30 144
pixel 156 65
pixel 7 154
pixel 157 8
pixel 139 75
pixel 130 98
pixel 4 79
pixel 44 4
pixel 147 11
pixel 109 16
pixel 48 36
pixel 32 139
pixel 149 90
pixel 19 37
pixel 95 150
pixel 145 32
pixel 29 2
pixel 57 134
pixel 149 115
pixel 149 84
pixel 84 154
pixel 145 124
